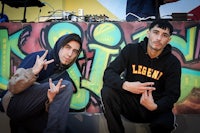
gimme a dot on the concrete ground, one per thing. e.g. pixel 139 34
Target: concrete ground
pixel 95 123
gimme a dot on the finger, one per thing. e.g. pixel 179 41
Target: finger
pixel 151 88
pixel 49 61
pixel 145 93
pixel 55 89
pixel 44 55
pixel 62 86
pixel 145 88
pixel 149 83
pixel 50 83
pixel 59 83
pixel 37 58
pixel 45 67
pixel 142 97
pixel 150 93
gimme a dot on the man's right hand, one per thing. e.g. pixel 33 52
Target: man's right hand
pixel 138 87
pixel 41 62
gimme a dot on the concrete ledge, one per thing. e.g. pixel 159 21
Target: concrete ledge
pixel 4 123
pixel 81 122
pixel 96 123
pixel 188 123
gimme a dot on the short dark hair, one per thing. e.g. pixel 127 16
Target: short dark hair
pixel 163 24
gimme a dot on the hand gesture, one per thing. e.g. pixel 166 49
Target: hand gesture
pixel 147 100
pixel 138 87
pixel 41 62
pixel 54 89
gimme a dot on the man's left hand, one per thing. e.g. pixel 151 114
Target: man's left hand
pixel 54 89
pixel 147 100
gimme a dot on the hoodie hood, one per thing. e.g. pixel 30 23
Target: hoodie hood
pixel 61 42
pixel 55 67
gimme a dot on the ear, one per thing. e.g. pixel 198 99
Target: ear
pixel 148 34
pixel 169 39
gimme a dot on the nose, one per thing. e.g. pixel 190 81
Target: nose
pixel 159 37
pixel 70 52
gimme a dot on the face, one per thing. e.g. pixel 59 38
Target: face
pixel 69 52
pixel 158 38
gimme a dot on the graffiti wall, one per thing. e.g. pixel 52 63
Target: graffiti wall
pixel 102 42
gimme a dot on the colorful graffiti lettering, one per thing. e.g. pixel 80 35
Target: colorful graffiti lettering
pixel 102 42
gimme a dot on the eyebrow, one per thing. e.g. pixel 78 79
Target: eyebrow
pixel 71 47
pixel 159 31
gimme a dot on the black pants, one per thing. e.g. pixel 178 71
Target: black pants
pixel 121 102
pixel 27 110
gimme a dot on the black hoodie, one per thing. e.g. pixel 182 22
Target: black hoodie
pixel 164 71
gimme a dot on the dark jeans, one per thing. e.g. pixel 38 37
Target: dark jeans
pixel 121 102
pixel 27 110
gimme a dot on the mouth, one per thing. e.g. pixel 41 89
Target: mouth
pixel 66 60
pixel 157 44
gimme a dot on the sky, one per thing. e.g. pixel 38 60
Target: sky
pixel 118 7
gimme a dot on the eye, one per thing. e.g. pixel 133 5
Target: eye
pixel 166 35
pixel 67 46
pixel 75 51
pixel 155 32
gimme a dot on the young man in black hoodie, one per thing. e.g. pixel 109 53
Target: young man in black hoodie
pixel 150 86
pixel 39 93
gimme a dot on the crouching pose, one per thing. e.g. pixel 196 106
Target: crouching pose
pixel 150 86
pixel 39 93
